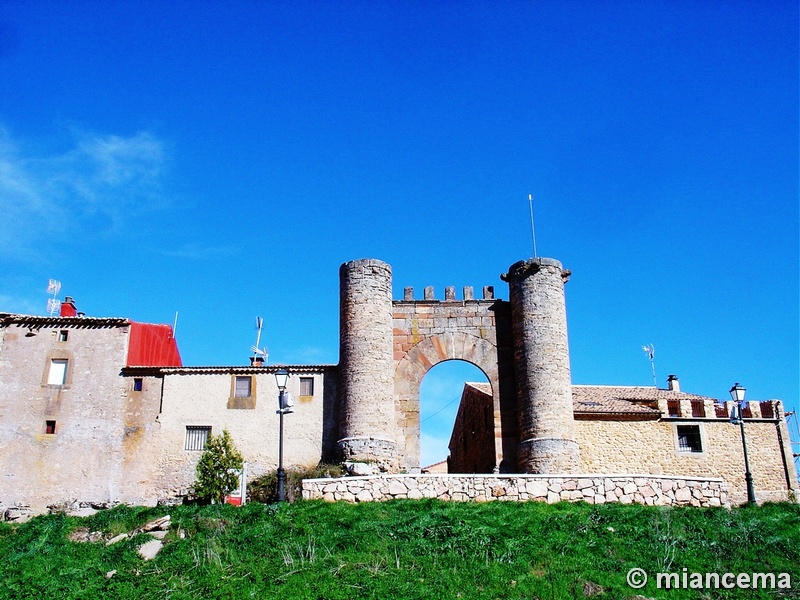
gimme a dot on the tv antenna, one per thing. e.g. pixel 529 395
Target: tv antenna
pixel 651 354
pixel 533 232
pixel 262 352
pixel 53 305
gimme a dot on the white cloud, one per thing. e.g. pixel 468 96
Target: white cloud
pixel 89 190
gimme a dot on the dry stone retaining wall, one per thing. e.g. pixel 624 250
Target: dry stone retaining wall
pixel 594 489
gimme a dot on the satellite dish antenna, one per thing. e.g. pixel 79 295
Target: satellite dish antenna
pixel 262 352
pixel 53 305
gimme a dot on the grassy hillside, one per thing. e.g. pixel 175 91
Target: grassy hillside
pixel 400 549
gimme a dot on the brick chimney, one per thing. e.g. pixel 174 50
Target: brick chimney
pixel 68 308
pixel 673 385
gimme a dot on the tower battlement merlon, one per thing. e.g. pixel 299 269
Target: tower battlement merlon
pixel 468 294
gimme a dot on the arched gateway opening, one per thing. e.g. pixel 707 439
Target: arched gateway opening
pixel 456 419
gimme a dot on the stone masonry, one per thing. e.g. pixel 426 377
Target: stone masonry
pixel 368 425
pixel 541 359
pixel 593 489
pixel 427 332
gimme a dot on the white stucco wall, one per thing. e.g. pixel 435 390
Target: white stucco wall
pixel 200 397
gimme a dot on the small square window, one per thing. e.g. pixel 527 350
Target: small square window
pixel 197 436
pixel 674 408
pixel 689 438
pixel 50 427
pixel 57 375
pixel 138 384
pixel 306 386
pixel 63 335
pixel 243 387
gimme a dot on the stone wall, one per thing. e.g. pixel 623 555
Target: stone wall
pixel 651 447
pixel 471 442
pixel 85 439
pixel 594 489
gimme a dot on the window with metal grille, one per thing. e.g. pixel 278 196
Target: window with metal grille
pixel 689 438
pixel 242 387
pixel 674 408
pixel 306 386
pixel 57 375
pixel 197 436
pixel 698 408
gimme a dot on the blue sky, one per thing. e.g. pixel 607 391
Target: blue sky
pixel 223 159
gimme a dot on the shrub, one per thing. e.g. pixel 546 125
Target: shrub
pixel 265 488
pixel 218 469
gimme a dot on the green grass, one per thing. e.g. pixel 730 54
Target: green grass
pixel 401 549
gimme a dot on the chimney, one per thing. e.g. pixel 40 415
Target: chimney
pixel 673 385
pixel 68 308
pixel 256 361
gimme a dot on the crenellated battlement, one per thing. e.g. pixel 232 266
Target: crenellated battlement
pixel 428 294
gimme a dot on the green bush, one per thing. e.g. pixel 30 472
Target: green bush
pixel 264 489
pixel 218 469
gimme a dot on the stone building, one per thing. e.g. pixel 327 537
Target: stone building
pixel 70 426
pixel 652 432
pixel 102 410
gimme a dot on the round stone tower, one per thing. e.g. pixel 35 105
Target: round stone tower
pixel 366 364
pixel 541 357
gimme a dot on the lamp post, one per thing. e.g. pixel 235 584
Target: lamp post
pixel 281 377
pixel 737 394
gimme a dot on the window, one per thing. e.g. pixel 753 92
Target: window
pixel 243 392
pixel 306 386
pixel 63 335
pixel 674 408
pixel 689 438
pixel 50 427
pixel 138 384
pixel 197 436
pixel 243 387
pixel 57 375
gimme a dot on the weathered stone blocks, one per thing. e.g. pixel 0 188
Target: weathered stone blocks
pixel 541 361
pixel 367 428
pixel 623 489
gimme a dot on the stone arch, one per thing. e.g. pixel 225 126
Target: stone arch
pixel 414 364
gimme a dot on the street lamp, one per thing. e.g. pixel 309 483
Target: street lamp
pixel 737 416
pixel 284 407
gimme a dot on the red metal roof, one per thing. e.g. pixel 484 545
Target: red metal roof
pixel 152 346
